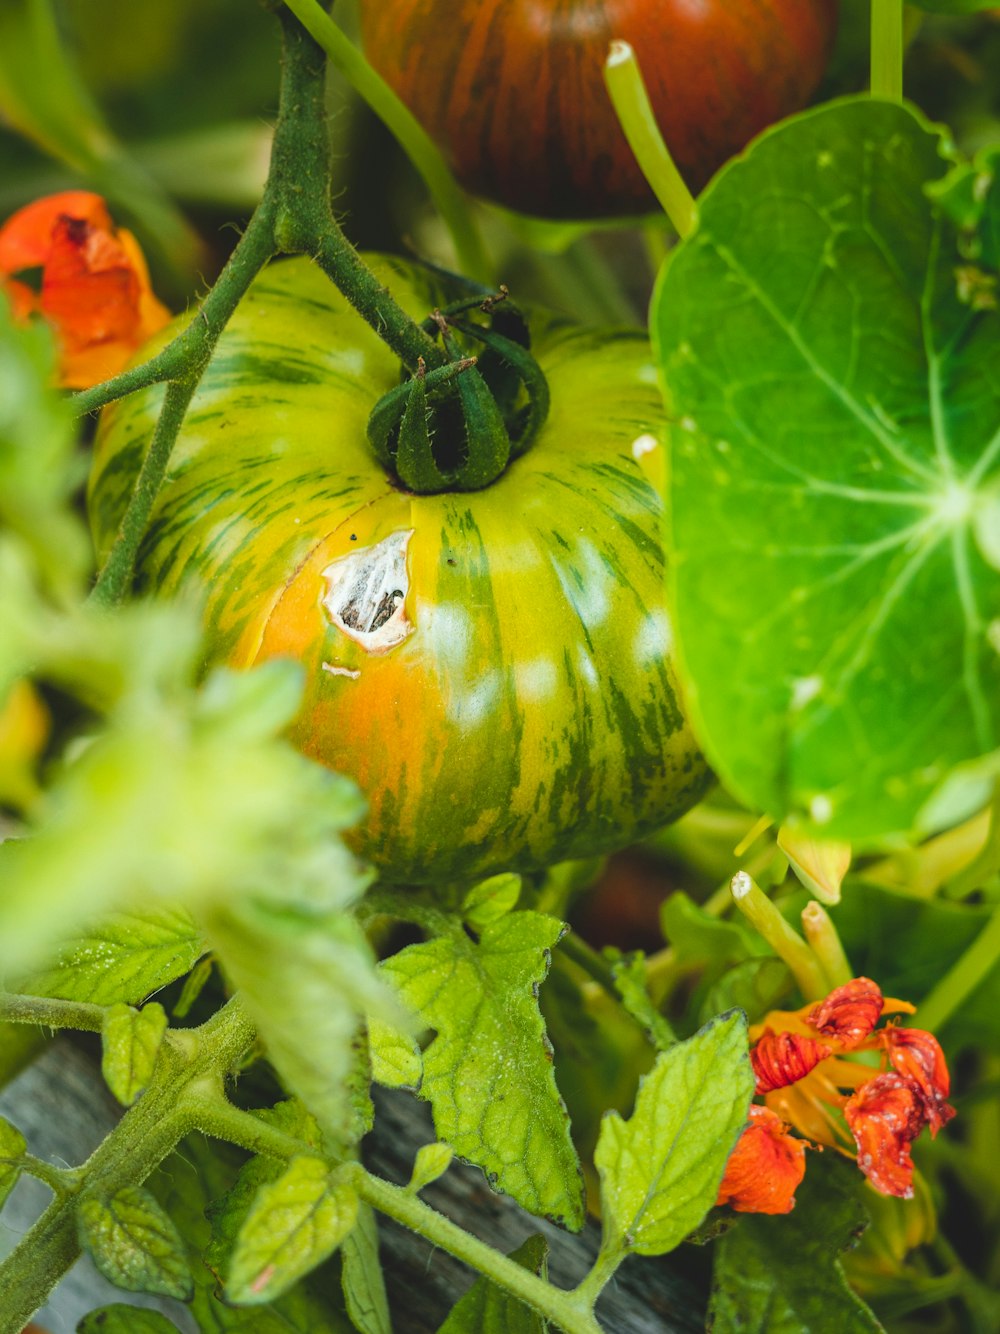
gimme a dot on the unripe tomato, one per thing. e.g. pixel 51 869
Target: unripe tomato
pixel 492 667
pixel 513 90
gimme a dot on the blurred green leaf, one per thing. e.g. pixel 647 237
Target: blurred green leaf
pixel 131 1041
pixel 834 405
pixel 781 1275
pixel 40 468
pixel 396 1058
pixel 660 1170
pixel 490 900
pixel 488 1071
pixel 43 96
pixel 134 1244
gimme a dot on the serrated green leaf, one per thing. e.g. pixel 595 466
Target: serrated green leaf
pixel 395 1056
pixel 131 1044
pixel 228 1212
pixel 12 1147
pixel 488 1071
pixel 200 1172
pixel 361 1276
pixel 293 1225
pixel 782 1275
pixel 134 1243
pixel 487 1309
pixel 432 1161
pixel 123 958
pixel 629 972
pixel 491 899
pixel 660 1170
pixel 119 1319
pixel 830 380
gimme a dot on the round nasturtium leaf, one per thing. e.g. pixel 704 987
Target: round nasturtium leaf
pixel 830 355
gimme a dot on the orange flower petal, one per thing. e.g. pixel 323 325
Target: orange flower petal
pixel 26 236
pixel 917 1055
pixel 765 1168
pixel 849 1013
pixel 885 1117
pixel 779 1059
pixel 95 285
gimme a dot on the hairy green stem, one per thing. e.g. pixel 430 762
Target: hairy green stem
pixel 146 1134
pixel 416 143
pixel 115 579
pixel 48 1013
pixel 632 106
pixel 215 1115
pixel 569 1311
pixel 978 961
pixel 887 49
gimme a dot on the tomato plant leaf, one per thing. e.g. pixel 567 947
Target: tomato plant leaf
pixel 187 1184
pixel 131 1043
pixel 228 1213
pixel 119 1319
pixel 134 1243
pixel 361 1276
pixel 780 1275
pixel 487 1309
pixel 629 972
pixel 491 899
pixel 12 1147
pixel 660 1170
pixel 834 405
pixel 488 1071
pixel 395 1056
pixel 122 958
pixel 293 1225
pixel 432 1161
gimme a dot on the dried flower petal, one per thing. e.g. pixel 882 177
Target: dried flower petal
pixel 765 1168
pixel 885 1116
pixel 849 1013
pixel 779 1059
pixel 917 1056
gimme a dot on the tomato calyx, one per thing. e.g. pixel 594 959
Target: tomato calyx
pixel 456 427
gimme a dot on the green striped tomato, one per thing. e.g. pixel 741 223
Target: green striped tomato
pixel 491 667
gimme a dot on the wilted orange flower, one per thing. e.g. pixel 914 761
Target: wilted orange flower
pixel 798 1060
pixel 63 258
pixel 765 1168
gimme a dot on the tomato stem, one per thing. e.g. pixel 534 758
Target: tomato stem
pixel 448 198
pixel 887 49
pixel 632 106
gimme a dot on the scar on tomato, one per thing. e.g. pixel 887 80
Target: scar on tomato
pixel 366 593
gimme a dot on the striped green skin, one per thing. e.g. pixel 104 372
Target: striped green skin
pixel 531 714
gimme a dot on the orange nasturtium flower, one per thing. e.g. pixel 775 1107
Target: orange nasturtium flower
pixel 806 1084
pixel 63 258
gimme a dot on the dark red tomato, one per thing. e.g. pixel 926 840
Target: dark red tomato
pixel 513 90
